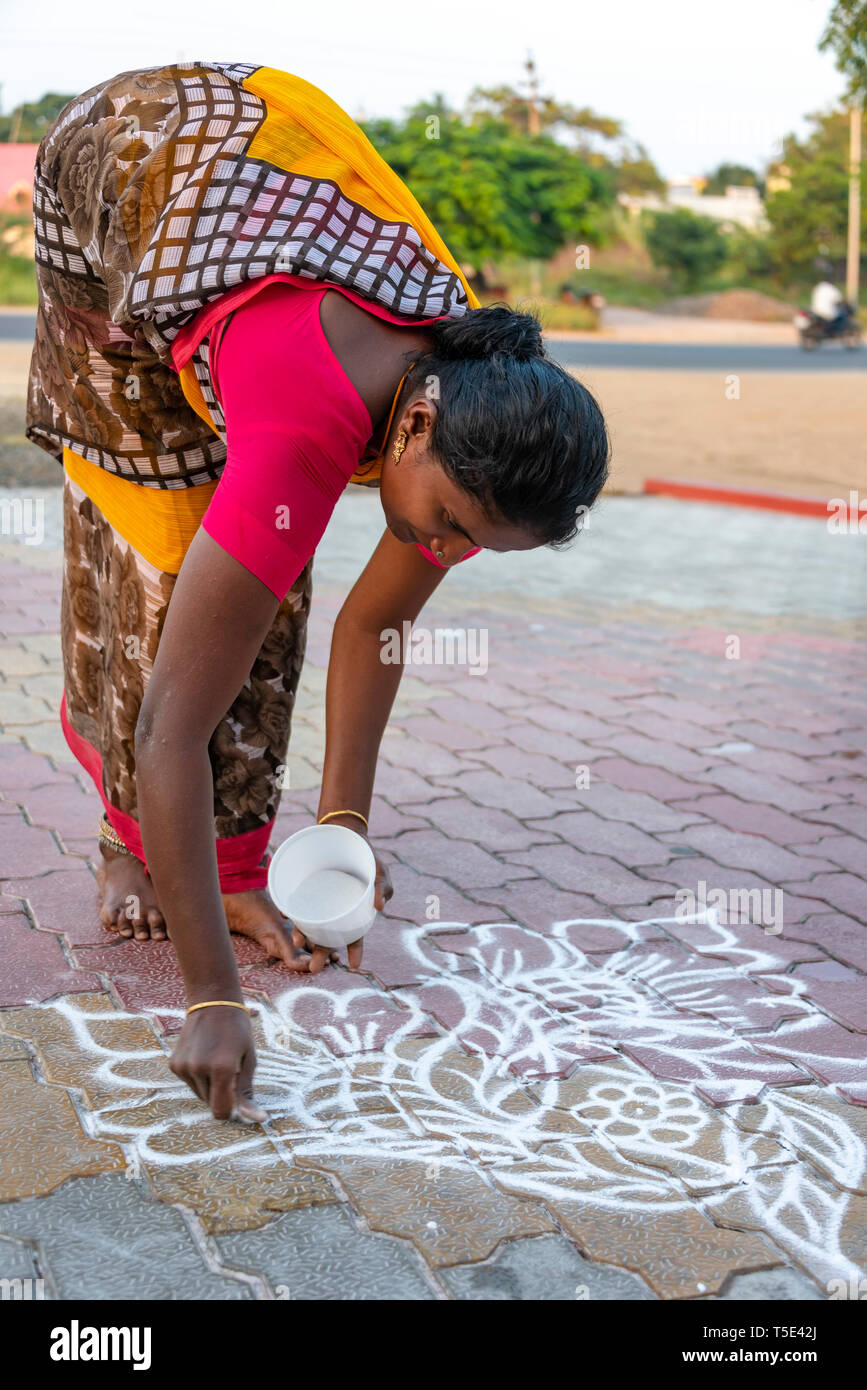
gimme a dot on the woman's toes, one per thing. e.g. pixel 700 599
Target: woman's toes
pixel 156 924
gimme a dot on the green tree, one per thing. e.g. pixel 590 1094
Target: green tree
pixel 489 190
pixel 846 35
pixel 29 121
pixel 691 247
pixel 811 214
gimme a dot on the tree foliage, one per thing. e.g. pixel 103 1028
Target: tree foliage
pixel 846 36
pixel 812 213
pixel 690 247
pixel 29 121
pixel 490 190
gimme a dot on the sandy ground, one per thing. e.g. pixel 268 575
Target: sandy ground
pixel 787 432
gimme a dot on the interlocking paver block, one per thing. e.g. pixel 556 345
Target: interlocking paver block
pixel 449 1213
pixel 101 1238
pixel 34 966
pixel 660 1125
pixel 41 1140
pixel 541 1269
pixel 64 901
pixel 821 1228
pixel 620 1215
pixel 317 1254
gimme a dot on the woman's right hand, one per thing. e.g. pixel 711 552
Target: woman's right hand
pixel 216 1056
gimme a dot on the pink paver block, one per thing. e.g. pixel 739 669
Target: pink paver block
pixel 70 811
pixel 845 851
pixel 660 754
pixel 20 768
pixel 754 819
pixel 746 945
pixel 705 987
pixel 532 1041
pixel 514 795
pixel 422 898
pixel 536 904
pixel 65 901
pixel 633 808
pixel 591 834
pixel 34 966
pixel 820 1047
pixel 753 852
pixel 849 816
pixel 596 874
pixel 640 777
pixel 768 790
pixel 147 977
pixel 842 937
pixel 525 961
pixel 28 851
pixel 463 863
pixel 724 1068
pixel 535 768
pixel 494 830
pixel 843 891
pixel 342 1008
pixel 401 953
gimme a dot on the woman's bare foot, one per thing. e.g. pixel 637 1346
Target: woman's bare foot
pixel 129 901
pixel 256 915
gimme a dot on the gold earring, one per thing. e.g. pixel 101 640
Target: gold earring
pixel 399 446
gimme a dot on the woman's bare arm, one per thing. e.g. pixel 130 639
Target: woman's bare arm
pixel 393 587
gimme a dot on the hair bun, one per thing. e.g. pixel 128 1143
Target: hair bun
pixel 495 330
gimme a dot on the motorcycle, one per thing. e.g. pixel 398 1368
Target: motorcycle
pixel 813 329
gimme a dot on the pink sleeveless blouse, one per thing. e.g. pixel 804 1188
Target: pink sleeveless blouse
pixel 296 428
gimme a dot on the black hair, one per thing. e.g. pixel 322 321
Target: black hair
pixel 513 428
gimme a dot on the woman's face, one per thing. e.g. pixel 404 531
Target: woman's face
pixel 422 503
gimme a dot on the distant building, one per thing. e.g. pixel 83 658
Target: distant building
pixel 739 206
pixel 16 177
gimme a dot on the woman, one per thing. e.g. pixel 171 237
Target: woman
pixel 242 309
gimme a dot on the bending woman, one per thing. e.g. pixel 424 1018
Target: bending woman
pixel 241 310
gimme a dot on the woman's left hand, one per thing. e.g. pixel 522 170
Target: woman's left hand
pixel 320 955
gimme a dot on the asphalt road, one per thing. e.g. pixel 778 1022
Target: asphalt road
pixel 706 357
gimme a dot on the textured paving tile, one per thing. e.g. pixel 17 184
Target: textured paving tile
pixel 28 851
pixel 771 1286
pixel 319 1255
pixel 660 1125
pixel 17 1261
pixel 401 953
pixel 449 1213
pixel 546 1268
pixel 34 966
pixel 620 1215
pixel 824 1131
pixel 818 1227
pixel 838 936
pixel 65 901
pixel 595 875
pixel 821 1047
pixel 101 1238
pixel 65 1060
pixel 41 1140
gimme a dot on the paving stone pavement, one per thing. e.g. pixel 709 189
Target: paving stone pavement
pixel 609 1038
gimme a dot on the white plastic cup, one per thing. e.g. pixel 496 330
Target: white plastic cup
pixel 308 852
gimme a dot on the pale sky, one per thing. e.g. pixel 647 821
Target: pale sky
pixel 696 82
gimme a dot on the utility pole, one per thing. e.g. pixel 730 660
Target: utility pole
pixel 853 245
pixel 533 121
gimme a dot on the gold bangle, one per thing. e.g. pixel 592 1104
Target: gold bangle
pixel 328 816
pixel 212 1003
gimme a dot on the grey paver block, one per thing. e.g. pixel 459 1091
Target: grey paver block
pixel 316 1253
pixel 543 1268
pixel 100 1238
pixel 775 1285
pixel 16 1260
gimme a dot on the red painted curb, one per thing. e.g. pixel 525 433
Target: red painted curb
pixel 747 497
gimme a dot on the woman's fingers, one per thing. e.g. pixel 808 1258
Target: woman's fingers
pixel 354 951
pixel 383 889
pixel 245 1106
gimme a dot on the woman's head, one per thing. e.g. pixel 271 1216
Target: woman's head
pixel 499 439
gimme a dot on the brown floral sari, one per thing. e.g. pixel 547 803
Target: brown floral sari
pixel 155 194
